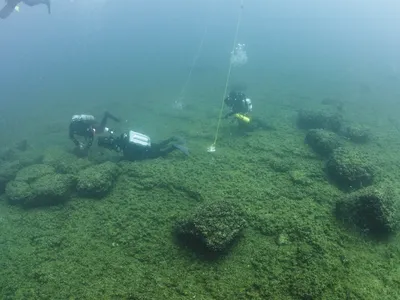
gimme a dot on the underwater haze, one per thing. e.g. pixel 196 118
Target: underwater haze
pixel 306 203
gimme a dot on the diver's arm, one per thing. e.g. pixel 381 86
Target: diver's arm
pixel 90 138
pixel 72 136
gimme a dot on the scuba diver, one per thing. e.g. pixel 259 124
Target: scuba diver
pixel 136 146
pixel 12 5
pixel 86 126
pixel 238 103
pixel 241 107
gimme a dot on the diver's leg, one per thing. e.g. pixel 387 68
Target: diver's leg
pixel 154 152
pixel 6 11
pixel 161 152
pixel 32 2
pixel 165 142
pixel 160 149
pixel 36 2
pixel 175 139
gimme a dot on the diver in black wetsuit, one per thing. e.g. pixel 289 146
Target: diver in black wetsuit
pixel 241 108
pixel 10 6
pixel 86 127
pixel 238 103
pixel 137 146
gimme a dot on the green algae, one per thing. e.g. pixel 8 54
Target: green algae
pixel 123 247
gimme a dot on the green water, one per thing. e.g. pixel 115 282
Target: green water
pixel 122 246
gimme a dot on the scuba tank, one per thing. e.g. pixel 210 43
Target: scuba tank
pixel 242 118
pixel 139 139
pixel 82 118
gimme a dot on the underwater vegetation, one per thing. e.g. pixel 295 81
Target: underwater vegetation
pixel 311 213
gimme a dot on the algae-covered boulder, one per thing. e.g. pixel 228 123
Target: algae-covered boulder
pixel 97 181
pixel 18 192
pixel 64 162
pixel 214 226
pixel 373 210
pixel 33 172
pixel 323 141
pixel 357 133
pixel 320 119
pixel 350 169
pixel 49 189
pixel 9 169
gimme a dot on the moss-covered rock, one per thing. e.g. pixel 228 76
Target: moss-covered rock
pixel 214 226
pixel 49 189
pixel 350 169
pixel 19 192
pixel 64 162
pixel 98 180
pixel 373 210
pixel 308 119
pixel 323 141
pixel 8 170
pixel 33 172
pixel 14 159
pixel 357 133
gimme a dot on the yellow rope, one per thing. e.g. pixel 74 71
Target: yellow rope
pixel 228 76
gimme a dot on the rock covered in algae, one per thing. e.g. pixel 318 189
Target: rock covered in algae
pixel 64 162
pixel 97 181
pixel 18 192
pixel 50 189
pixel 215 226
pixel 323 141
pixel 350 169
pixel 319 119
pixel 373 210
pixel 358 133
pixel 33 172
pixel 9 168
